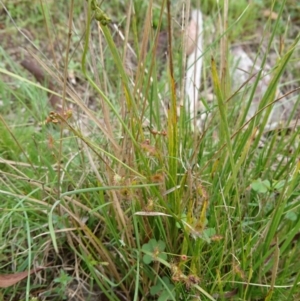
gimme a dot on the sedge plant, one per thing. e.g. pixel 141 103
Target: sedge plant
pixel 122 198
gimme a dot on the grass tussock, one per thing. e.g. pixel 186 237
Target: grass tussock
pixel 112 192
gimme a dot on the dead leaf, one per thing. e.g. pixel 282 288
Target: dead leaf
pixel 270 14
pixel 71 77
pixel 192 36
pixel 11 279
pixel 34 68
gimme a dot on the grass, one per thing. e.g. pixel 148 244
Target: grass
pixel 125 203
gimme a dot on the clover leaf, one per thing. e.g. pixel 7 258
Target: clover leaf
pixel 154 249
pixel 163 289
